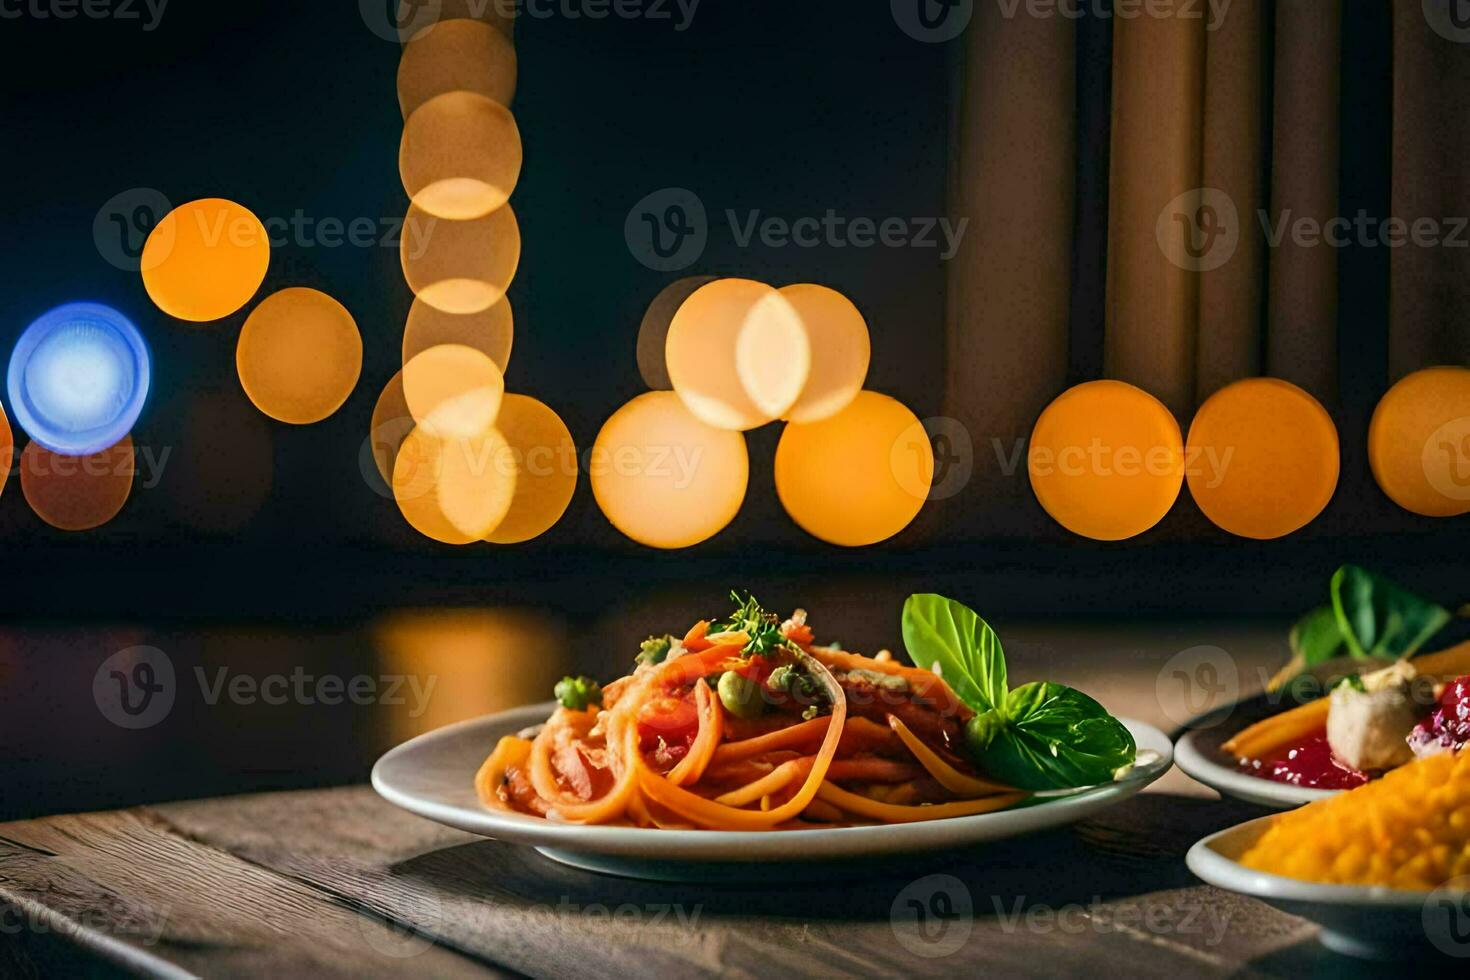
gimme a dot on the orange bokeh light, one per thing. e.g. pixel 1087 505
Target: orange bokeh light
pixel 460 266
pixel 1263 458
pixel 457 56
pixel 77 493
pixel 460 156
pixel 1106 460
pixel 454 390
pixel 205 260
pixel 1419 442
pixel 491 332
pixel 299 356
pixel 858 477
pixel 546 466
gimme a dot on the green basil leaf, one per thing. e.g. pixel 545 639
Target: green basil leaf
pixel 942 631
pixel 1379 619
pixel 1316 637
pixel 1055 737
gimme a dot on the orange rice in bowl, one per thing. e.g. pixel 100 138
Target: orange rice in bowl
pixel 1409 830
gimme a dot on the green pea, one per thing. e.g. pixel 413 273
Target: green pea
pixel 741 697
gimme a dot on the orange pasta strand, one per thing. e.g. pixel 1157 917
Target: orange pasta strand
pixel 894 813
pixel 945 774
pixel 711 730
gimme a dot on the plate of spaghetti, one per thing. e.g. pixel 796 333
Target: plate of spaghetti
pixel 742 740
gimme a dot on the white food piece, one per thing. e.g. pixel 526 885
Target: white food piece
pixel 1369 729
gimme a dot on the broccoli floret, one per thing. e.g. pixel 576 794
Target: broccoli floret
pixel 654 649
pixel 576 693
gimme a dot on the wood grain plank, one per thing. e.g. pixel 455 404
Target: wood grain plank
pixel 1112 892
pixel 124 890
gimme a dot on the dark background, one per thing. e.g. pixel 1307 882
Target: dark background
pixel 264 544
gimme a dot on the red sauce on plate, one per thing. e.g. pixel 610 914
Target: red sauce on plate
pixel 1309 764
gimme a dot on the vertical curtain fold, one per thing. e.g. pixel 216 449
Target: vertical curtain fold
pixel 1012 176
pixel 1232 296
pixel 1302 321
pixel 1429 292
pixel 1153 301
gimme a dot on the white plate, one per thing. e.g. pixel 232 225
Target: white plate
pixel 1372 923
pixel 433 776
pixel 1197 752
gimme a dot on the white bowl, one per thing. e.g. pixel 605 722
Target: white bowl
pixel 1365 922
pixel 1197 752
pixel 433 776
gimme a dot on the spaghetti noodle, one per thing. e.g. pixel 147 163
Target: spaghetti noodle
pixel 800 736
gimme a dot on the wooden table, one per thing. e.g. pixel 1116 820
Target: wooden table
pixel 338 883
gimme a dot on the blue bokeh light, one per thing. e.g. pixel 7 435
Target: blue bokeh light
pixel 78 378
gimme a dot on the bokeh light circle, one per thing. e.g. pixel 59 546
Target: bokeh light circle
pixel 7 448
pixel 454 490
pixel 841 351
pixel 492 331
pixel 77 493
pixel 665 478
pixel 546 465
pixel 653 331
pixel 1262 458
pixel 205 260
pixel 299 356
pixel 78 378
pixel 858 477
pixel 1419 442
pixel 1106 460
pixel 457 56
pixel 391 424
pixel 737 354
pixel 460 266
pixel 460 156
pixel 454 390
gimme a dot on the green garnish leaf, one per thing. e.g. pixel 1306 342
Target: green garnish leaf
pixel 763 628
pixel 1316 637
pixel 942 631
pixel 1049 736
pixel 654 649
pixel 1379 619
pixel 1353 681
pixel 576 693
